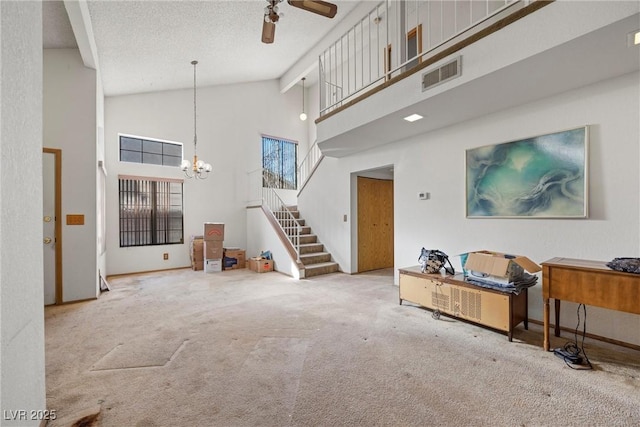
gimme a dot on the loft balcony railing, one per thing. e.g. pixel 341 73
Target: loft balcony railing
pixel 395 37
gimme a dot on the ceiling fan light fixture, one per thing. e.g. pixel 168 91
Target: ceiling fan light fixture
pixel 273 15
pixel 268 31
pixel 316 6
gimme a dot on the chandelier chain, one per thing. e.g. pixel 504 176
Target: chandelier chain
pixel 198 169
pixel 195 134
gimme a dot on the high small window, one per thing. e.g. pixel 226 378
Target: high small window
pixel 149 151
pixel 279 161
pixel 150 211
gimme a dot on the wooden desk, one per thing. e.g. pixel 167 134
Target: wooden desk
pixel 589 283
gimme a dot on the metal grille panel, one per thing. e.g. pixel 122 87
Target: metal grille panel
pixel 440 300
pixel 448 71
pixel 468 304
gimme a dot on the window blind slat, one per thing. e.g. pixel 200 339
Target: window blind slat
pixel 279 161
pixel 146 207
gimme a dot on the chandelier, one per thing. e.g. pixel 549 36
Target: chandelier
pixel 198 169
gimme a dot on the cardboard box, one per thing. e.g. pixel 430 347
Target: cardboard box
pixel 502 267
pixel 260 265
pixel 213 231
pixel 197 265
pixel 212 265
pixel 213 249
pixel 233 258
pixel 196 249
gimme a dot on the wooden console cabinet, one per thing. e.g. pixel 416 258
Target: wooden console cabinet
pixel 451 295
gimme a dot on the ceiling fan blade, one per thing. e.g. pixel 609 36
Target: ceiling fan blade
pixel 316 6
pixel 268 32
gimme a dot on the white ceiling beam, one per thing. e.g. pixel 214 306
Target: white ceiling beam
pixel 78 13
pixel 309 62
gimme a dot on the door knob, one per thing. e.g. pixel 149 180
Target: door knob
pixel 47 218
pixel 47 240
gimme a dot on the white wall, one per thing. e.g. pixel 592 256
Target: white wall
pixel 70 120
pixel 22 364
pixel 261 237
pixel 434 162
pixel 231 120
pixel 313 112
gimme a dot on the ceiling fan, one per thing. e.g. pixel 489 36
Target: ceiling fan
pixel 271 15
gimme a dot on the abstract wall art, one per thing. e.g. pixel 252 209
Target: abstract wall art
pixel 540 177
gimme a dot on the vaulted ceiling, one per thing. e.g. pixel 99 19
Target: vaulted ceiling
pixel 147 45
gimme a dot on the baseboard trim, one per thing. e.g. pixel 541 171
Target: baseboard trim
pixel 592 336
pixel 76 301
pixel 112 276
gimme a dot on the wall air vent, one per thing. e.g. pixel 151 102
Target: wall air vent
pixel 443 73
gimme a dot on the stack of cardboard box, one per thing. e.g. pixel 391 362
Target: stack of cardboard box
pixel 196 251
pixel 213 252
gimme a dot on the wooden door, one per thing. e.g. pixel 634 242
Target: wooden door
pixel 414 47
pixel 52 229
pixel 375 224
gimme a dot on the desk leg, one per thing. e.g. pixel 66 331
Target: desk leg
pixel 557 325
pixel 545 322
pixel 526 309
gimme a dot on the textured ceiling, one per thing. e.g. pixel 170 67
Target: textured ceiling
pixel 148 45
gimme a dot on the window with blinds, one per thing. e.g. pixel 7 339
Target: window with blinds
pixel 150 211
pixel 279 162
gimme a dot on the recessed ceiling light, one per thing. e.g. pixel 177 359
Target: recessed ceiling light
pixel 633 38
pixel 413 117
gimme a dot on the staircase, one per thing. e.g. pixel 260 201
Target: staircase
pixel 312 254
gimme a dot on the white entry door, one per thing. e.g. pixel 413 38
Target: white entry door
pixel 49 226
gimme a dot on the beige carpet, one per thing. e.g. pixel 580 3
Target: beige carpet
pixel 185 348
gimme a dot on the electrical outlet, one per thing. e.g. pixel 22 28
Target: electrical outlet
pixel 423 195
pixel 165 256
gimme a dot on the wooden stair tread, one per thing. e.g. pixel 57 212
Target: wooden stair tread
pixel 318 261
pixel 320 265
pixel 310 254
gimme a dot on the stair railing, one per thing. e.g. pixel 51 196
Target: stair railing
pixel 309 165
pixel 284 218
